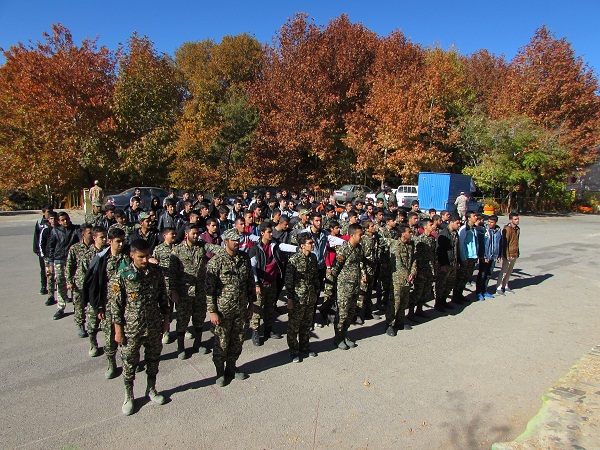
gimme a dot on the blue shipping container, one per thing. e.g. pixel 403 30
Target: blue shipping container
pixel 439 190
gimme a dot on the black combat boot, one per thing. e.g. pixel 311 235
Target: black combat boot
pixel 151 392
pixel 181 346
pixel 256 337
pixel 271 334
pixel 220 374
pixel 128 404
pixel 233 372
pixel 198 342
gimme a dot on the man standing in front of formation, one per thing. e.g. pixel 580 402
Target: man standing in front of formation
pixel 509 251
pixel 140 312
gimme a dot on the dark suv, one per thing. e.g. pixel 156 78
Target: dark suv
pixel 120 201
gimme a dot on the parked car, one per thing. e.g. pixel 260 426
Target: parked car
pixel 405 194
pixel 348 192
pixel 121 200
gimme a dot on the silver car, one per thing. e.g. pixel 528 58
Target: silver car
pixel 349 192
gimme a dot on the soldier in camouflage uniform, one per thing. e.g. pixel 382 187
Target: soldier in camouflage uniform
pixel 300 226
pixel 447 259
pixel 404 269
pixel 121 219
pixel 162 256
pixel 413 223
pixel 426 257
pixel 76 268
pixel 187 274
pixel 383 273
pixel 370 247
pixel 116 260
pixel 302 286
pixel 139 302
pixel 352 218
pixel 231 294
pixel 347 272
pixel 96 215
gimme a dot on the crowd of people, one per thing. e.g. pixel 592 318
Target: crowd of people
pixel 130 272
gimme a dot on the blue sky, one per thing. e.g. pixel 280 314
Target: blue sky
pixel 501 26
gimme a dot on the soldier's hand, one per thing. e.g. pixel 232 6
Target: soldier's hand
pixel 69 287
pixel 119 338
pixel 443 269
pixel 101 316
pixel 411 277
pixel 250 311
pixel 290 304
pixel 257 290
pixel 50 269
pixel 215 319
pixel 152 260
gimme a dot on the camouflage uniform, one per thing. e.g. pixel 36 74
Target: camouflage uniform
pixel 347 272
pixel 302 286
pixel 114 265
pixel 60 278
pixel 384 273
pixel 187 274
pixel 162 253
pixel 92 316
pixel 230 290
pixel 77 264
pixel 402 265
pixel 426 257
pixel 445 280
pixel 94 218
pixel 139 301
pixel 126 228
pixel 370 249
pixel 296 230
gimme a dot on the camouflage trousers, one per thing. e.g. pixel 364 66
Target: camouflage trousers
pixel 190 307
pixel 110 345
pixel 464 273
pixel 78 307
pixel 347 298
pixel 229 338
pixel 264 306
pixel 399 298
pixel 151 339
pixel 383 283
pixel 444 284
pixel 60 275
pixel 50 283
pixel 300 321
pixel 423 291
pixel 326 307
pixel 364 299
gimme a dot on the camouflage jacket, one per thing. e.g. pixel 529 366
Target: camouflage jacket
pixel 126 228
pixel 425 255
pixel 388 233
pixel 370 250
pixel 229 283
pixel 94 218
pixel 187 268
pixel 349 264
pixel 302 278
pixel 76 266
pixel 162 253
pixel 138 299
pixel 402 261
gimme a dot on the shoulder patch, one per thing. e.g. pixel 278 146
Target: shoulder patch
pixel 340 258
pixel 116 288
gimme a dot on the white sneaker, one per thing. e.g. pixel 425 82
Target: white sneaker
pixel 166 338
pixel 508 290
pixel 189 335
pixel 499 291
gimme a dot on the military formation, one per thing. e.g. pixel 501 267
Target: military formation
pixel 129 273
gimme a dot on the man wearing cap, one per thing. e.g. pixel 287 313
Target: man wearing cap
pixel 96 215
pixel 146 232
pixel 96 193
pixel 387 197
pixel 230 293
pixel 301 225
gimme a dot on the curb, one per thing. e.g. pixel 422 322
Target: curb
pixel 570 415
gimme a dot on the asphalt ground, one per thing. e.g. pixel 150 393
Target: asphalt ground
pixel 463 381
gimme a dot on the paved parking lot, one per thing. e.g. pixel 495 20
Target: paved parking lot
pixel 460 381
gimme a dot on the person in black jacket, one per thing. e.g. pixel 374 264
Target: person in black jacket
pixel 63 235
pixel 37 231
pixel 447 258
pixel 44 249
pixel 266 261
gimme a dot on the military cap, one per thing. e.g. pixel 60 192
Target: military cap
pixel 303 211
pixel 96 203
pixel 143 215
pixel 231 235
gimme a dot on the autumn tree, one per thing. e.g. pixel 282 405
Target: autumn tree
pixel 313 78
pixel 56 124
pixel 148 101
pixel 216 128
pixel 408 123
